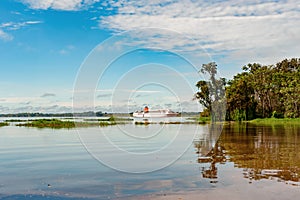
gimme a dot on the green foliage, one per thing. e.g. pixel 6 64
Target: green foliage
pixel 56 123
pixel 277 115
pixel 16 120
pixel 276 121
pixel 107 123
pixel 203 120
pixel 49 123
pixel 205 113
pixel 239 115
pixel 4 124
pixel 113 119
pixel 265 91
pixel 211 94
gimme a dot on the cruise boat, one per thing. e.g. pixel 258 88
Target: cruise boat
pixel 146 113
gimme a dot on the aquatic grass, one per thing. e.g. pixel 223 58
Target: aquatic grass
pixel 114 119
pixel 49 123
pixel 201 120
pixel 108 123
pixel 110 119
pixel 143 123
pixel 204 120
pixel 276 121
pixel 16 120
pixel 4 124
pixel 57 124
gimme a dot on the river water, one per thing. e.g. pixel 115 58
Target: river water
pixel 245 162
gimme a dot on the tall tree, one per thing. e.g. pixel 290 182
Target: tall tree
pixel 211 93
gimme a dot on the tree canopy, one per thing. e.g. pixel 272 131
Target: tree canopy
pixel 259 91
pixel 211 93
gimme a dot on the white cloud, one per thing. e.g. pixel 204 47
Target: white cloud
pixel 5 36
pixel 59 4
pixel 242 29
pixel 12 26
pixel 249 29
pixel 17 25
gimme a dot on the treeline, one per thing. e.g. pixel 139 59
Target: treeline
pixel 260 91
pixel 83 114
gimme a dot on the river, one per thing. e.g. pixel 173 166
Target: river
pixel 174 161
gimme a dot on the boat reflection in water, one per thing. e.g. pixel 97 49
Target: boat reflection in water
pixel 263 152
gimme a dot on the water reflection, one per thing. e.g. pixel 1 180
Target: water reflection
pixel 263 152
pixel 210 152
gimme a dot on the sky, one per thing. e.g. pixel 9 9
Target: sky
pixel 57 55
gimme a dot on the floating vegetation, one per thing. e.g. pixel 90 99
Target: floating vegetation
pixel 49 123
pixel 110 119
pixel 4 124
pixel 114 119
pixel 276 121
pixel 56 123
pixel 143 123
pixel 16 120
pixel 107 123
pixel 200 120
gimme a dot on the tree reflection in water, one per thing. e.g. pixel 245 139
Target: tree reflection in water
pixel 210 152
pixel 264 152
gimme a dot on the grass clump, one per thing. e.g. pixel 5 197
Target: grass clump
pixel 106 123
pixel 200 120
pixel 4 124
pixel 204 119
pixel 276 121
pixel 142 123
pixel 49 123
pixel 16 120
pixel 57 124
pixel 115 119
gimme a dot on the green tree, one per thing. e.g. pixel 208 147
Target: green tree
pixel 211 94
pixel 240 95
pixel 265 91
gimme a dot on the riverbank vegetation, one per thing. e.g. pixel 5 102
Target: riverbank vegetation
pixel 56 123
pixel 4 124
pixel 260 91
pixel 271 121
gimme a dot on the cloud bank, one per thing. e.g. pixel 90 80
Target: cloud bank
pixel 245 30
pixel 249 30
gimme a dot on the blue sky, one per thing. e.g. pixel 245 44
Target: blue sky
pixel 45 43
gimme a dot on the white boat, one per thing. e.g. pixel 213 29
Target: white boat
pixel 155 113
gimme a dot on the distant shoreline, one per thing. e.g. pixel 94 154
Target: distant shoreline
pixel 82 114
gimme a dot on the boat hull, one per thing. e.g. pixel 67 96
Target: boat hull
pixel 156 114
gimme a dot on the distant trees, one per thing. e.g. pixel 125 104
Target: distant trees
pixel 83 114
pixel 260 91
